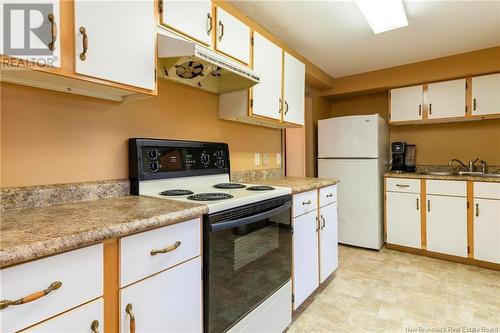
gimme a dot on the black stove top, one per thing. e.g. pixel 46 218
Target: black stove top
pixel 260 188
pixel 209 196
pixel 176 192
pixel 229 186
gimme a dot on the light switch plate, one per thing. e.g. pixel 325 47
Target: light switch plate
pixel 265 158
pixel 257 158
pixel 278 158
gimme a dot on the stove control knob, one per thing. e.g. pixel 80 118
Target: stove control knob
pixel 154 166
pixel 219 164
pixel 205 159
pixel 153 154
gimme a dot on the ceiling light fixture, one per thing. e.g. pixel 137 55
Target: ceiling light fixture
pixel 383 15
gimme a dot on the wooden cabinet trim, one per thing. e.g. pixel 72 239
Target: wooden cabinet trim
pixel 470 219
pixel 423 215
pixel 111 284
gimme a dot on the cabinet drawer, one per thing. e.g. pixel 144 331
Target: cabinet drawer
pixel 79 271
pixel 487 190
pixel 137 260
pixel 403 185
pixel 327 195
pixel 305 202
pixel 447 187
pixel 79 320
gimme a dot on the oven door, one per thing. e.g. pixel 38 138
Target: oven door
pixel 247 256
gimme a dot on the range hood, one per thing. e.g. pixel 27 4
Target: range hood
pixel 186 62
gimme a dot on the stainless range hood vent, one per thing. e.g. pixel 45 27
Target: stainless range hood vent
pixel 186 62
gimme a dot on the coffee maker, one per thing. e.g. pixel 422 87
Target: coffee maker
pixel 403 157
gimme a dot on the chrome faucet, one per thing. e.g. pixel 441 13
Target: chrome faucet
pixel 471 164
pixel 460 162
pixel 484 166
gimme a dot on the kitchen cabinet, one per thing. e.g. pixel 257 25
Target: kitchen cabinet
pixel 328 241
pixel 406 103
pixel 403 219
pixel 170 301
pixel 233 36
pixel 191 18
pixel 293 90
pixel 486 95
pixel 268 63
pixel 305 256
pixel 486 215
pixel 110 45
pixel 446 99
pixel 88 318
pixel 447 225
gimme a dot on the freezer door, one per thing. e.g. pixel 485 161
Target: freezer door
pixel 359 200
pixel 354 136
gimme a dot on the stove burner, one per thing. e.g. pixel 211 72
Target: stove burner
pixel 260 188
pixel 229 186
pixel 209 196
pixel 174 193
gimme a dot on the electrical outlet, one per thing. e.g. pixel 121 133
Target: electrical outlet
pixel 278 158
pixel 257 159
pixel 265 158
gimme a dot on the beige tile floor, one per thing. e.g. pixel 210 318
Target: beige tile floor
pixel 391 291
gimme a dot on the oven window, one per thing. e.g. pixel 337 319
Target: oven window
pixel 246 264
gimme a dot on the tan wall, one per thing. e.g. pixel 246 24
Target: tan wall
pixel 319 109
pixel 49 137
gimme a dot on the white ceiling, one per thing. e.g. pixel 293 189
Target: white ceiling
pixel 335 36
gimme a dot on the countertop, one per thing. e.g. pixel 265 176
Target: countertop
pixel 437 177
pixel 32 233
pixel 299 184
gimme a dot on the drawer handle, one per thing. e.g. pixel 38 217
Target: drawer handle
pixel 329 195
pixel 53 32
pixel 94 327
pixel 477 210
pixel 85 41
pixel 128 310
pixel 33 297
pixel 324 222
pixel 308 202
pixel 167 249
pixel 402 185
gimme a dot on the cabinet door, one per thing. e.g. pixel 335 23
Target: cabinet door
pixel 447 225
pixel 233 36
pixel 305 256
pixel 328 241
pixel 294 90
pixel 80 320
pixel 44 20
pixel 120 41
pixel 406 103
pixel 268 62
pixel 192 18
pixel 487 230
pixel 486 94
pixel 446 99
pixel 403 219
pixel 170 301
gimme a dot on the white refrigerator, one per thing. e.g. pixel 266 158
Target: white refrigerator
pixel 354 149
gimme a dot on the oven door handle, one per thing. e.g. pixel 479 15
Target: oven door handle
pixel 250 219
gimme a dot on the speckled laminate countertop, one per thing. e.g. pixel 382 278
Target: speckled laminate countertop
pixel 299 184
pixel 438 177
pixel 32 233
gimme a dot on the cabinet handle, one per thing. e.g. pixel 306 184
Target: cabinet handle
pixel 281 105
pixel 221 30
pixel 402 185
pixel 167 249
pixel 128 310
pixel 430 108
pixel 420 109
pixel 94 327
pixel 428 205
pixel 317 224
pixel 308 202
pixel 209 24
pixel 477 210
pixel 286 107
pixel 30 298
pixel 53 32
pixel 85 42
pixel 417 205
pixel 474 104
pixel 324 222
pixel 329 195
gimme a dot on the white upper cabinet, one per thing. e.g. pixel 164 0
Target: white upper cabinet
pixel 268 63
pixel 233 36
pixel 406 103
pixel 486 94
pixel 115 41
pixel 294 90
pixel 192 18
pixel 44 20
pixel 446 99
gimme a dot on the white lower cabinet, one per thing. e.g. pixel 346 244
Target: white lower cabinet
pixel 88 318
pixel 170 301
pixel 487 230
pixel 447 225
pixel 403 219
pixel 305 256
pixel 328 241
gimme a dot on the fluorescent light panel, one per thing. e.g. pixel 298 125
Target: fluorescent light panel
pixel 383 15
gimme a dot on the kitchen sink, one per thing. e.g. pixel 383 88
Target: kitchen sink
pixel 440 173
pixel 478 174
